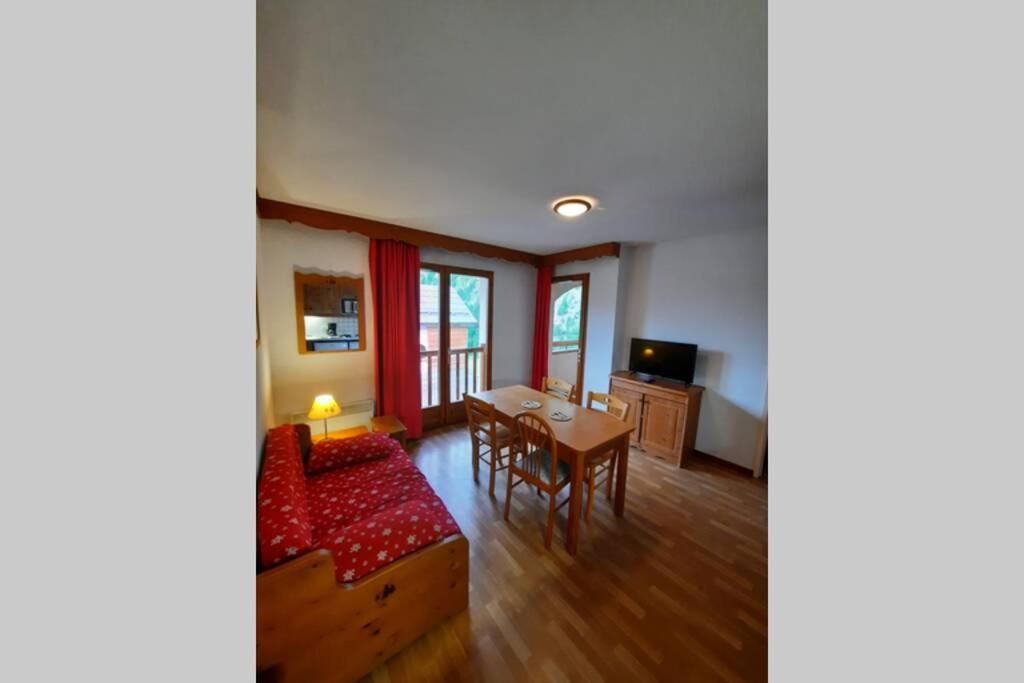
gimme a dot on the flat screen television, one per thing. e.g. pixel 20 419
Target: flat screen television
pixel 669 360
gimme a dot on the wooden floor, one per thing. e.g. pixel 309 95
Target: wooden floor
pixel 674 591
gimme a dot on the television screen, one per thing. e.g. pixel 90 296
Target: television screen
pixel 663 359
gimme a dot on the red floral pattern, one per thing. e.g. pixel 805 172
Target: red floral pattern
pixel 378 540
pixel 333 453
pixel 338 501
pixel 374 469
pixel 366 515
pixel 283 524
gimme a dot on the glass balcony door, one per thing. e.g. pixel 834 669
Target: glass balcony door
pixel 469 294
pixel 455 339
pixel 430 347
pixel 568 344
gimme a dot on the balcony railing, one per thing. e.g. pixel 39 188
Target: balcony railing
pixel 564 346
pixel 467 371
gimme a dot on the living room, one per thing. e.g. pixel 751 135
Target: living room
pixel 708 290
pixel 730 332
pixel 495 276
pixel 462 219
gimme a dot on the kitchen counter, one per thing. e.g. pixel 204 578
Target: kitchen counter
pixel 332 343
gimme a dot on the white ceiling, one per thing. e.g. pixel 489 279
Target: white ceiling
pixel 470 118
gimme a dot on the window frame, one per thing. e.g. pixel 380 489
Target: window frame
pixel 565 343
pixel 584 279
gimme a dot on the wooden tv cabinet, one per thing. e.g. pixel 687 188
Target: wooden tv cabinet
pixel 664 414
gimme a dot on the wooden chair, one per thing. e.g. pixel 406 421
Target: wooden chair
pixel 558 388
pixel 535 460
pixel 603 464
pixel 489 437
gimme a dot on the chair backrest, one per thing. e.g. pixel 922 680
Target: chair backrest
pixel 534 434
pixel 614 405
pixel 558 388
pixel 480 417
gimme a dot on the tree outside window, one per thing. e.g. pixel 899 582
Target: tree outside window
pixel 468 289
pixel 565 323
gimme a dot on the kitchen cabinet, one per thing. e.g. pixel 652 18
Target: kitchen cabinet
pixel 338 298
pixel 322 300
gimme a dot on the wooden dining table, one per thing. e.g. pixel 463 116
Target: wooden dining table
pixel 588 434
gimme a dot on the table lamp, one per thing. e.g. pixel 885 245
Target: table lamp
pixel 324 406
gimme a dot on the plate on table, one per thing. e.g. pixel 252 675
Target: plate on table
pixel 559 416
pixel 530 405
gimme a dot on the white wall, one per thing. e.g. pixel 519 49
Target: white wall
pixel 601 319
pixel 515 287
pixel 711 290
pixel 297 378
pixel 264 397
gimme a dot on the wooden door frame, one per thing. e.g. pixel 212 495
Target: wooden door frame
pixel 444 336
pixel 585 298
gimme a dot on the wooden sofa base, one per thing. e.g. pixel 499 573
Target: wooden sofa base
pixel 311 629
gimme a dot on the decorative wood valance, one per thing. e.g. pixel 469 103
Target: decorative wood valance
pixel 329 220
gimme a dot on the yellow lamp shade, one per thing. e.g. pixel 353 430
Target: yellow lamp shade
pixel 324 406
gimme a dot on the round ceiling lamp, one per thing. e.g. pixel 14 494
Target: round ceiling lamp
pixel 571 207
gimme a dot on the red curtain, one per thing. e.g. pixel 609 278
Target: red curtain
pixel 541 327
pixel 395 282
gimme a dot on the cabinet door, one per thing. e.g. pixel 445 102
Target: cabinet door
pixel 337 300
pixel 322 300
pixel 663 426
pixel 635 401
pixel 313 299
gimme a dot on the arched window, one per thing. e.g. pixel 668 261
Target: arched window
pixel 565 320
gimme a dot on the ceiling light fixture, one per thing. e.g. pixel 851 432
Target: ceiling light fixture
pixel 571 207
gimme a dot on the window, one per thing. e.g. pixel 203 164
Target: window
pixel 455 339
pixel 565 320
pixel 328 310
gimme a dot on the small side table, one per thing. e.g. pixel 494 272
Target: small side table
pixel 390 425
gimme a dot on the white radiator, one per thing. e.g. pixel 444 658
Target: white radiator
pixel 355 414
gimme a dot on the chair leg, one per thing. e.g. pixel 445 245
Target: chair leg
pixel 590 494
pixel 476 461
pixel 611 475
pixel 495 456
pixel 551 521
pixel 508 494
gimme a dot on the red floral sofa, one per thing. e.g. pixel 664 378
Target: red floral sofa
pixel 358 556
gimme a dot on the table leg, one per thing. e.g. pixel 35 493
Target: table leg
pixel 572 536
pixel 620 478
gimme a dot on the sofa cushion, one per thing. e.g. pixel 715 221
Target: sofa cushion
pixel 398 461
pixel 380 539
pixel 283 526
pixel 331 454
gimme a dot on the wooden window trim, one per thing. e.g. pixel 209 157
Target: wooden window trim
pixel 272 209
